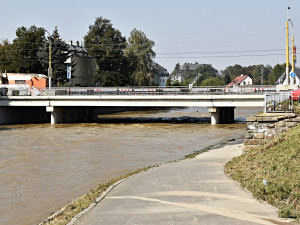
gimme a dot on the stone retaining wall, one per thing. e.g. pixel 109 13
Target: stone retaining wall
pixel 263 128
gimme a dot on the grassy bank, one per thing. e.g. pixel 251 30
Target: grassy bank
pixel 278 162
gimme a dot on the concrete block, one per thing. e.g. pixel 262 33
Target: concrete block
pixel 259 136
pixel 291 124
pixel 251 142
pixel 249 135
pixel 262 142
pixel 251 127
pixel 251 119
pixel 270 125
pixel 269 136
pixel 262 130
pixel 279 130
pixel 297 119
pixel 280 124
pixel 267 119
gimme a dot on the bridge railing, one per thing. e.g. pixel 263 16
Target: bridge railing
pixel 79 91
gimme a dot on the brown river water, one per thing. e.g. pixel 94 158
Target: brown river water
pixel 44 167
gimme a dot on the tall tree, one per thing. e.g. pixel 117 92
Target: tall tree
pixel 6 50
pixel 277 71
pixel 59 56
pixel 139 51
pixel 233 71
pixel 26 45
pixel 106 45
pixel 205 71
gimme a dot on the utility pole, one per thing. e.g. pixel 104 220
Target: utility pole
pixel 50 68
pixel 287 75
pixel 262 74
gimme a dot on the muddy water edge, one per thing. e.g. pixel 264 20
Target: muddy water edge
pixel 44 167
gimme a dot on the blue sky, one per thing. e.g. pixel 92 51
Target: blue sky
pixel 217 32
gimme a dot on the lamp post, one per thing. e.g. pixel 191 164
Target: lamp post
pixel 49 68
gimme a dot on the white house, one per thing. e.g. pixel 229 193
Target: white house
pixel 293 81
pixel 241 80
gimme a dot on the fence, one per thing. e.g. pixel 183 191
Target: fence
pixel 278 102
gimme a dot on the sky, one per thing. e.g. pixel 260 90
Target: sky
pixel 217 32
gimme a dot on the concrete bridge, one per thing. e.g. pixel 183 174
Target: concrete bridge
pixel 74 108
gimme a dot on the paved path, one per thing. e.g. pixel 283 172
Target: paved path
pixel 194 191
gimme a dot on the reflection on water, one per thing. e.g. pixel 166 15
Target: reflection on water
pixel 44 167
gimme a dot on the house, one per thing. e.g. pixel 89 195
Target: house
pixel 32 80
pixel 241 80
pixel 159 74
pixel 293 81
pixel 83 66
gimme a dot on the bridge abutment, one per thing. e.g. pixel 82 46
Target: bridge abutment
pixel 221 115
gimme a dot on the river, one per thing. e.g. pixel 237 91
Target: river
pixel 44 167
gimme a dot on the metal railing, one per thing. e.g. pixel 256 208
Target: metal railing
pixel 279 102
pixel 79 91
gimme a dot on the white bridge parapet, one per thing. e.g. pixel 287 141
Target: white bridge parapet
pixel 138 100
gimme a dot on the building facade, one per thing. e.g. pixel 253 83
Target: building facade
pixel 83 66
pixel 159 74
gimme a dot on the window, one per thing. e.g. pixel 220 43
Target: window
pixel 20 81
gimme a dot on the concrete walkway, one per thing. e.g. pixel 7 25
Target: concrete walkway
pixel 194 191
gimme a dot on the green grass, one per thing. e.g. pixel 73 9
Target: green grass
pixel 278 162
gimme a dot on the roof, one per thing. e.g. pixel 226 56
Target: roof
pixel 281 79
pixel 77 50
pixel 237 80
pixel 18 76
pixel 190 66
pixel 158 67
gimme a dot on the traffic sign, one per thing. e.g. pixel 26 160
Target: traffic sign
pixel 69 72
pixel 293 74
pixel 294 49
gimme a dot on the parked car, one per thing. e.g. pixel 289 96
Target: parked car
pixel 295 95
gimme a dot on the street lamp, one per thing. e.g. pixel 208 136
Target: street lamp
pixel 49 69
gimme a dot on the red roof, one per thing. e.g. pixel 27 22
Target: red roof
pixel 237 80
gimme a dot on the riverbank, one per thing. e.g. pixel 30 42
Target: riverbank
pixel 186 192
pixel 184 180
pixel 272 173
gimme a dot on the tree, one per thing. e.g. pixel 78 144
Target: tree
pixel 25 46
pixel 213 81
pixel 260 74
pixel 205 71
pixel 6 50
pixel 233 71
pixel 106 45
pixel 139 51
pixel 277 71
pixel 227 78
pixel 59 56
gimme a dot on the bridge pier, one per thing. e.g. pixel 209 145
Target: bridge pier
pixel 57 114
pixel 221 115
